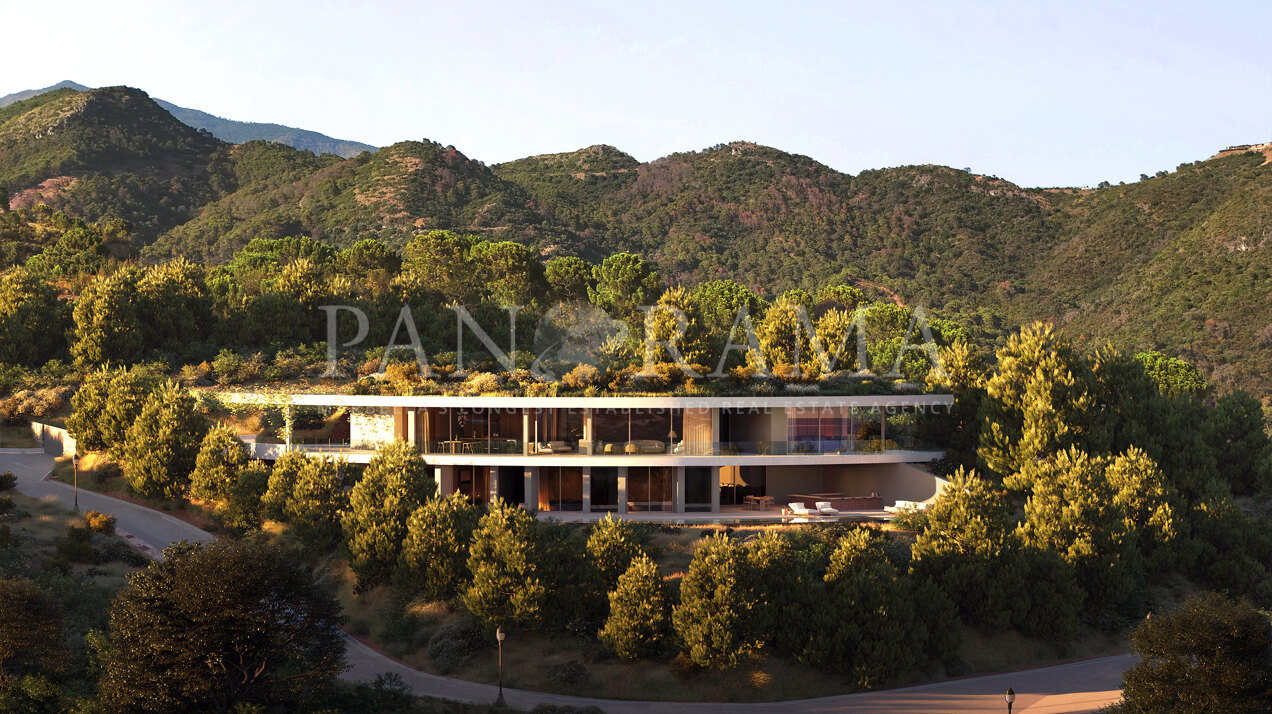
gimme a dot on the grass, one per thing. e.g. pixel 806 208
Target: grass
pixel 17 437
pixel 40 523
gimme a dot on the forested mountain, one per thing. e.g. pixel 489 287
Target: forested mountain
pixel 228 130
pixel 1179 262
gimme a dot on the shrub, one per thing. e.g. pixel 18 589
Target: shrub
pixel 583 375
pixel 1211 655
pixel 614 545
pixel 8 481
pixel 99 522
pixel 76 546
pixel 453 643
pixel 106 471
pixel 717 603
pixel 434 560
pixel 395 483
pixel 6 504
pixel 639 619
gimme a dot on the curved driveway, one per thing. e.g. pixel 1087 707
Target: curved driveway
pixel 1075 687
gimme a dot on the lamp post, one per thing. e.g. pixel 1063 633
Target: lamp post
pixel 75 478
pixel 499 636
pixel 1010 696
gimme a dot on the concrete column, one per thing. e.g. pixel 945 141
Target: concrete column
pixel 532 489
pixel 287 427
pixel 525 432
pixel 622 489
pixel 678 494
pixel 883 428
pixel 587 488
pixel 715 489
pixel 445 476
pixel 412 427
pixel 587 438
pixel 492 483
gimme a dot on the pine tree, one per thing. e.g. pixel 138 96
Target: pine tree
pixel 505 587
pixel 1038 403
pixel 87 406
pixel 162 444
pixel 129 391
pixel 282 481
pixel 613 545
pixel 1074 512
pixel 434 560
pixel 222 456
pixel 969 549
pixel 715 617
pixel 639 617
pixel 866 625
pixel 395 483
pixel 318 497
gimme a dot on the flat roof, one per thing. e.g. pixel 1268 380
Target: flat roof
pixel 805 401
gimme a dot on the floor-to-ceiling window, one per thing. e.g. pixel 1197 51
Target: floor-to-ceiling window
pixel 650 488
pixel 697 488
pixel 604 488
pixel 560 488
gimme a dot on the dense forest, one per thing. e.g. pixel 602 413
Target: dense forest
pixel 1176 263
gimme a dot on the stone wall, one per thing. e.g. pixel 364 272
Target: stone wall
pixel 369 426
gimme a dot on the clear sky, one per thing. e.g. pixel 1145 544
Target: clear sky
pixel 1043 94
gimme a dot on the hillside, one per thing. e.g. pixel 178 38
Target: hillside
pixel 1177 262
pixel 228 130
pixel 241 132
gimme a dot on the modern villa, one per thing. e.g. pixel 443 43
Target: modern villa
pixel 668 454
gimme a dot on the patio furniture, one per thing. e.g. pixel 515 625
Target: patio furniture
pixel 824 508
pixel 800 509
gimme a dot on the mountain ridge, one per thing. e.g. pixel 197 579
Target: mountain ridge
pixel 228 130
pixel 1173 262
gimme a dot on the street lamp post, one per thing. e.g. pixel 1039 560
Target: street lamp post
pixel 499 635
pixel 1010 696
pixel 75 478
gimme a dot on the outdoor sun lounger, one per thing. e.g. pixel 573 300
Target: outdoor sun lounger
pixel 824 508
pixel 800 509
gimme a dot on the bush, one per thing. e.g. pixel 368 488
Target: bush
pixel 76 546
pixel 29 405
pixel 613 545
pixel 1211 655
pixel 639 619
pixel 714 617
pixel 106 471
pixel 8 481
pixel 453 643
pixel 583 375
pixel 99 522
pixel 434 559
pixel 6 504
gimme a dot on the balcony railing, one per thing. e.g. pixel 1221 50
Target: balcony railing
pixel 638 447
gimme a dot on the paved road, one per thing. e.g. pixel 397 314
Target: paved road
pixel 152 527
pixel 1076 687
